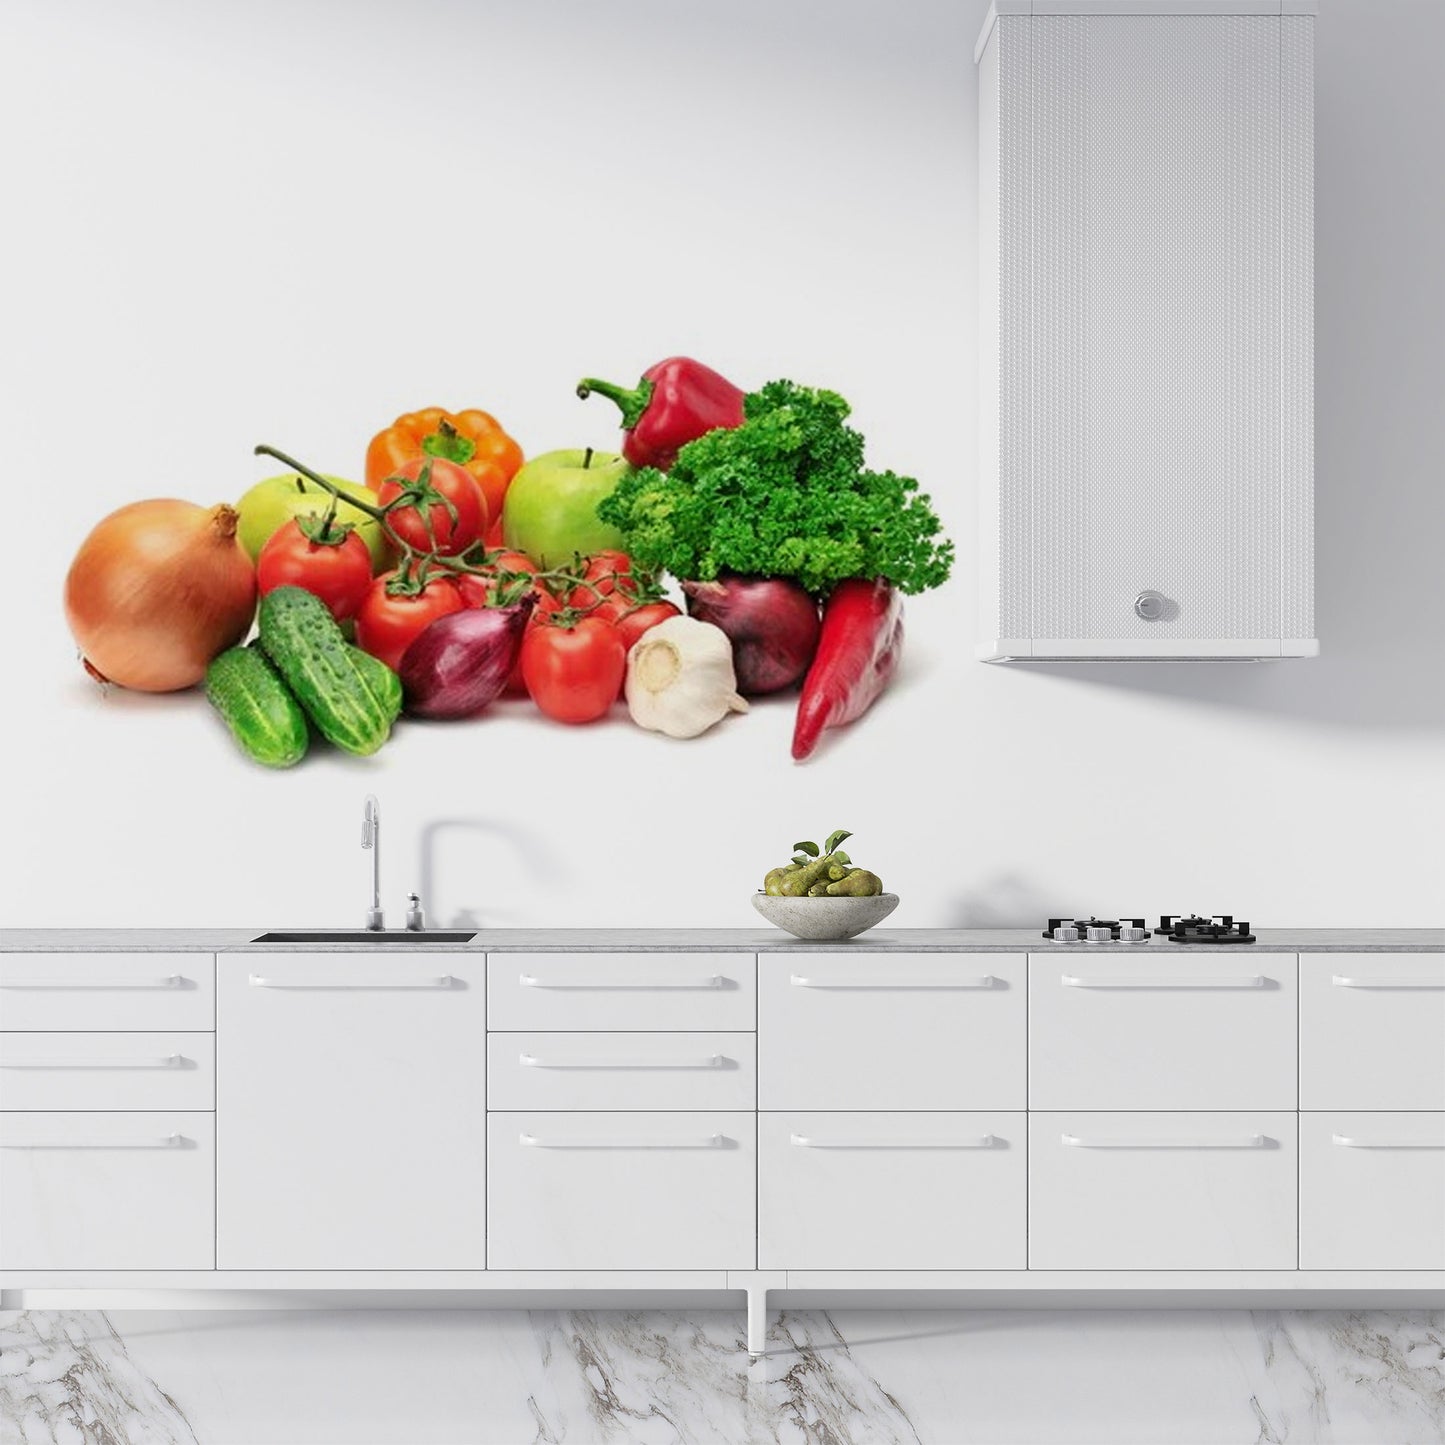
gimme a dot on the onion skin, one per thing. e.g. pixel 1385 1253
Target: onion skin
pixel 156 591
pixel 461 662
pixel 771 622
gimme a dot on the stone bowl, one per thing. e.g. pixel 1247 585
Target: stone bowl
pixel 825 918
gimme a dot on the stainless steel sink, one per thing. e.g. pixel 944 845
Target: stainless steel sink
pixel 364 935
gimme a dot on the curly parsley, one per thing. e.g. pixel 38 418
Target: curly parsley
pixel 784 495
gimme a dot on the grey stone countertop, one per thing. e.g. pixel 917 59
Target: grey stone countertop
pixel 705 940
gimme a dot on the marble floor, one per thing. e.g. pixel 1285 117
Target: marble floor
pixel 855 1377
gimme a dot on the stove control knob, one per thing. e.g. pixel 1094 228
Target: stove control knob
pixel 1149 606
pixel 1129 934
pixel 1066 934
pixel 1100 935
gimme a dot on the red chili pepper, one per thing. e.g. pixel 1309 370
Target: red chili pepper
pixel 677 401
pixel 858 651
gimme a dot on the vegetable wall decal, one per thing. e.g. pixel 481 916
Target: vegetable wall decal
pixel 462 582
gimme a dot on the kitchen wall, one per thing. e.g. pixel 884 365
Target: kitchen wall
pixel 289 222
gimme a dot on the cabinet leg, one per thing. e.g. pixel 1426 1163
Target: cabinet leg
pixel 757 1320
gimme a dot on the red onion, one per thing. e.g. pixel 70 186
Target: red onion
pixel 771 622
pixel 459 663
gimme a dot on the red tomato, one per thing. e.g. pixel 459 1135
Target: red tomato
pixel 479 589
pixel 387 624
pixel 631 625
pixel 608 574
pixel 340 574
pixel 574 673
pixel 457 485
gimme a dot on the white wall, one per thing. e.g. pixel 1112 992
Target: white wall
pixel 288 222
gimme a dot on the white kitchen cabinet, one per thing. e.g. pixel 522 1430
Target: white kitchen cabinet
pixel 107 1191
pixel 853 1030
pixel 621 1071
pixel 351 1093
pixel 1161 1027
pixel 631 991
pixel 1162 1190
pixel 863 1190
pixel 1147 337
pixel 1372 1190
pixel 631 1191
pixel 107 1071
pixel 1372 1031
pixel 107 991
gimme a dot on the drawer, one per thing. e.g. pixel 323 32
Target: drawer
pixel 891 1031
pixel 632 991
pixel 107 1191
pixel 891 1191
pixel 107 1071
pixel 1165 1027
pixel 1372 1031
pixel 1162 1191
pixel 621 1191
pixel 1372 1191
pixel 75 991
pixel 621 1071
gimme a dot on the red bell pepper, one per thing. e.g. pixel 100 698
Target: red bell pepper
pixel 677 401
pixel 858 652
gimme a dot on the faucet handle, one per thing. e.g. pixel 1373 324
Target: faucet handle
pixel 415 922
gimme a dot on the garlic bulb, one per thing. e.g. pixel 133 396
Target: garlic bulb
pixel 680 678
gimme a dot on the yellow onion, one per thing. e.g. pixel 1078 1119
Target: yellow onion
pixel 156 591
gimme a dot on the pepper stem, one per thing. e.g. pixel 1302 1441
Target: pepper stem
pixel 633 403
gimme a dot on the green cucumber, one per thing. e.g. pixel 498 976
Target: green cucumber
pixel 263 717
pixel 342 690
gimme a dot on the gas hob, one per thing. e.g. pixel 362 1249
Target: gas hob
pixel 1173 928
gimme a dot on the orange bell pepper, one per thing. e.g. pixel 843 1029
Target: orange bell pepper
pixel 473 439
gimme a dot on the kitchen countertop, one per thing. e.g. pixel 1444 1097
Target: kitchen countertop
pixel 708 940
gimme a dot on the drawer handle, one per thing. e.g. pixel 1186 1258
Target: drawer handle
pixel 981 1141
pixel 256 980
pixel 1238 1141
pixel 986 980
pixel 528 980
pixel 713 1061
pixel 1388 981
pixel 1346 1141
pixel 171 1061
pixel 1109 980
pixel 171 1141
pixel 563 1141
pixel 175 980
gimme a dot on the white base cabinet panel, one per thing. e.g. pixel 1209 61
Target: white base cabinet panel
pixel 1161 1029
pixel 621 1190
pixel 1372 1191
pixel 107 1071
pixel 352 1099
pixel 955 1035
pixel 1162 1191
pixel 891 1191
pixel 1372 1031
pixel 93 1191
pixel 107 991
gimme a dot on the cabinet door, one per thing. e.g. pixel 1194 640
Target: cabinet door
pixel 107 991
pixel 107 1191
pixel 622 1191
pixel 891 1031
pixel 1162 1027
pixel 891 1191
pixel 107 1071
pixel 1372 1191
pixel 351 1108
pixel 1162 1191
pixel 1372 1031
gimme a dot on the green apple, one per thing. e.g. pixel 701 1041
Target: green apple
pixel 269 505
pixel 551 506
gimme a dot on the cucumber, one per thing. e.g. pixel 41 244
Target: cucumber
pixel 342 690
pixel 256 705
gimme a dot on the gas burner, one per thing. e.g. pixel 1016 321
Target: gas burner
pixel 1096 930
pixel 1220 929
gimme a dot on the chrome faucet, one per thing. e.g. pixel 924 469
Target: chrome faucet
pixel 371 838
